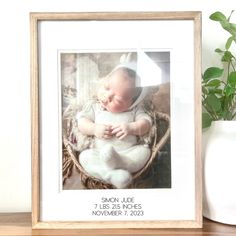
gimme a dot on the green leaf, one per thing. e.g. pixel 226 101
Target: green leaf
pixel 206 120
pixel 230 27
pixel 233 28
pixel 213 90
pixel 214 83
pixel 225 25
pixel 204 90
pixel 218 50
pixel 227 57
pixel 212 72
pixel 229 90
pixel 229 42
pixel 226 114
pixel 232 78
pixel 218 91
pixel 213 102
pixel 230 15
pixel 218 16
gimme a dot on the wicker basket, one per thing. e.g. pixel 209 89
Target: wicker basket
pixel 71 157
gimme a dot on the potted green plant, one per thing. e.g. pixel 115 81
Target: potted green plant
pixel 219 136
pixel 219 84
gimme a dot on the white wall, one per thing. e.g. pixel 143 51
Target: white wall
pixel 15 156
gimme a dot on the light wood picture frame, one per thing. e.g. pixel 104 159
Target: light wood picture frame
pixel 177 206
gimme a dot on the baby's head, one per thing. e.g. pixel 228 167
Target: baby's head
pixel 118 91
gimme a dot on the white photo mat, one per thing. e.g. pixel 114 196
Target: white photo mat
pixel 178 206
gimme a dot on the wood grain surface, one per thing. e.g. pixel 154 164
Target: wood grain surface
pixel 20 224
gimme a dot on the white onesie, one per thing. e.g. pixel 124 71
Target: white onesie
pixel 113 160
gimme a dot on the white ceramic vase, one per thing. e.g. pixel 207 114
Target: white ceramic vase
pixel 219 172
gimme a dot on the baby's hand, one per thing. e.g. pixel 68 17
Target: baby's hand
pixel 122 130
pixel 102 131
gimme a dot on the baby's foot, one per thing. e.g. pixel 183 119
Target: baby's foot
pixel 109 157
pixel 119 178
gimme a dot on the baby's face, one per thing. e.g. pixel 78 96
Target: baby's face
pixel 117 92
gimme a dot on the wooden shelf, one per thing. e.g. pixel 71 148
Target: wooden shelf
pixel 20 224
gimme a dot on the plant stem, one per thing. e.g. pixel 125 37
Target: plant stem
pixel 233 115
pixel 232 65
pixel 228 72
pixel 210 112
pixel 223 82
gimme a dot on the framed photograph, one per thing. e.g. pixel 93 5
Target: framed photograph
pixel 116 120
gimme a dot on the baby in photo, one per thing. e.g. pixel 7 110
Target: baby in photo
pixel 116 120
